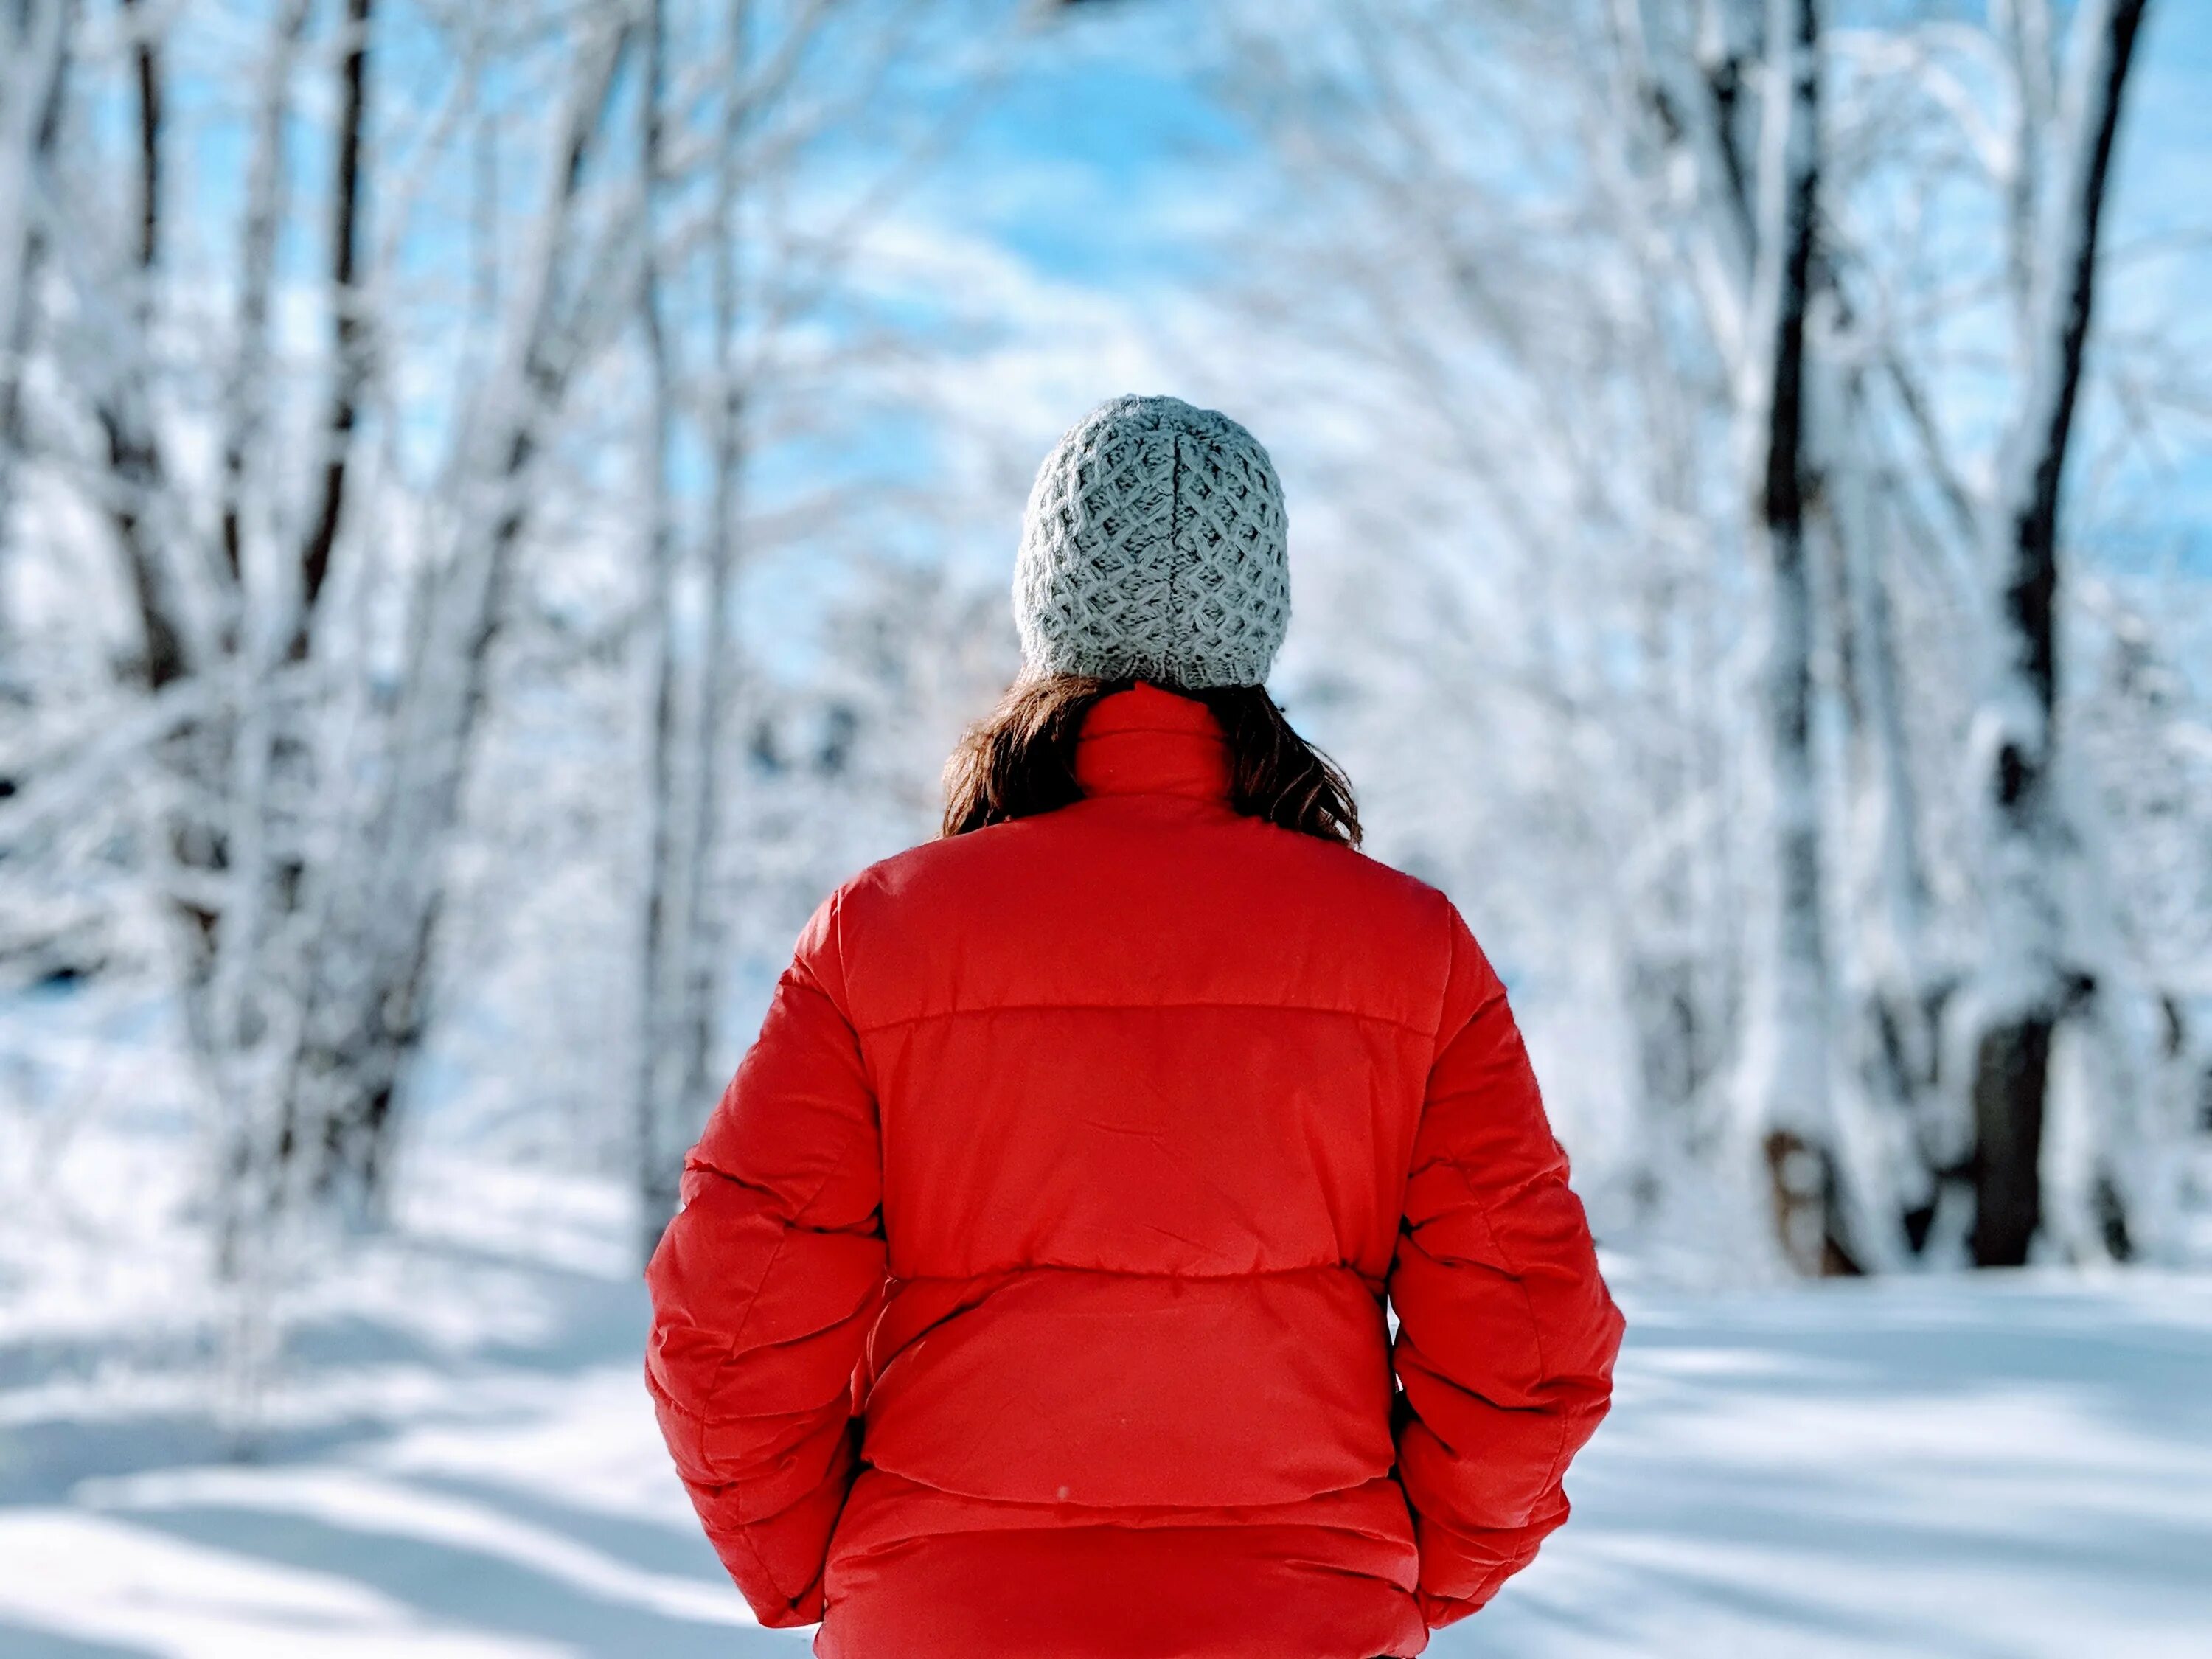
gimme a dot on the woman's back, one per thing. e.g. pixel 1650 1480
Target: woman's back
pixel 1027 1298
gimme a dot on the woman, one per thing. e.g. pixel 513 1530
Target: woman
pixel 1027 1299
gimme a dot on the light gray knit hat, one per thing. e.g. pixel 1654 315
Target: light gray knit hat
pixel 1154 550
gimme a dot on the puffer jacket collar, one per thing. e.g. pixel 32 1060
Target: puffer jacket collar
pixel 1146 741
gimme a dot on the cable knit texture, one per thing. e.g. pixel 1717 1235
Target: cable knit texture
pixel 1154 550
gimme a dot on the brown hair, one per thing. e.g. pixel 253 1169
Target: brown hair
pixel 1019 760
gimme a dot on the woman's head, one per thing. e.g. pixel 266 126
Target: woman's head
pixel 1153 549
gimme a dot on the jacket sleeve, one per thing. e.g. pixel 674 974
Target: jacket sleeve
pixel 764 1288
pixel 1506 1333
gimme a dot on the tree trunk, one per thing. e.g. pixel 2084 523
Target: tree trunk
pixel 666 912
pixel 2011 1070
pixel 33 50
pixel 705 941
pixel 1786 1049
pixel 348 326
pixel 1887 994
pixel 2027 975
pixel 136 478
pixel 245 399
pixel 684 910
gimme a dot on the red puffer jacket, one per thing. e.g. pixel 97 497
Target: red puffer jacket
pixel 1027 1299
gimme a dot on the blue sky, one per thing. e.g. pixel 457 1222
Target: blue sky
pixel 2165 188
pixel 1091 167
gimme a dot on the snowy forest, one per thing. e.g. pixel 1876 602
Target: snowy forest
pixel 502 507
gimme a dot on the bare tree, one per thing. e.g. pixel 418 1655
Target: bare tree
pixel 377 912
pixel 2032 973
pixel 304 810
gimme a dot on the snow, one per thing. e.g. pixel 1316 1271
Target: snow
pixel 457 1458
pixel 2007 1464
pixel 114 1588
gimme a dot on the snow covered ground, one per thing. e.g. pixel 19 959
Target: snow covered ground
pixel 457 1460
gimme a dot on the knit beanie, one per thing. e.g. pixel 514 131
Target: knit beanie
pixel 1154 550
